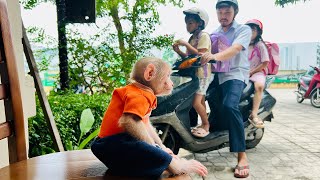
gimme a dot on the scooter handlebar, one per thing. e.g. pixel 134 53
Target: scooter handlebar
pixel 189 62
pixel 198 62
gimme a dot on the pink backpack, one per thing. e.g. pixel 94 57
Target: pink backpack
pixel 274 57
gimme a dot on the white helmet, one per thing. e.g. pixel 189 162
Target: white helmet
pixel 201 13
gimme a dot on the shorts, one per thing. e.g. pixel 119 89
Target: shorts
pixel 127 156
pixel 259 77
pixel 204 84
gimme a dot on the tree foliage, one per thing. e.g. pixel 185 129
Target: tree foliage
pixel 284 2
pixel 104 60
pixel 29 4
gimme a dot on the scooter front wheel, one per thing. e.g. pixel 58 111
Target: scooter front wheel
pixel 299 95
pixel 299 99
pixel 168 136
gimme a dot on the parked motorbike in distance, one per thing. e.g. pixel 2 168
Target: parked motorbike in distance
pixel 172 120
pixel 309 88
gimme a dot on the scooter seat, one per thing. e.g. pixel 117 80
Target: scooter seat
pixel 306 79
pixel 248 90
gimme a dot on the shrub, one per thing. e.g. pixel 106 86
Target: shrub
pixel 66 109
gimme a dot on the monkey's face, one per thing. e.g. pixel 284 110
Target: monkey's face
pixel 163 84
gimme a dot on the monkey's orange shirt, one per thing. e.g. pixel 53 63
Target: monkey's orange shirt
pixel 133 98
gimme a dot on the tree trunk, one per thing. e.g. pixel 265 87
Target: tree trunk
pixel 63 54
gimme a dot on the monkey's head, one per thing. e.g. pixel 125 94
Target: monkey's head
pixel 153 73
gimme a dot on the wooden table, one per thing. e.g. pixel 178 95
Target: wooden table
pixel 78 164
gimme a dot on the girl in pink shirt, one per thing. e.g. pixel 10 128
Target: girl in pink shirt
pixel 259 59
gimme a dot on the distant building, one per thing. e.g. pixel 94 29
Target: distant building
pixel 298 56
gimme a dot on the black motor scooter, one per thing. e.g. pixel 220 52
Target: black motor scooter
pixel 173 123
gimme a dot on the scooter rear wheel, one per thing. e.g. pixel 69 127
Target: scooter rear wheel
pixel 258 134
pixel 170 139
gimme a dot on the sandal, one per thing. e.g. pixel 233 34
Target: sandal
pixel 199 132
pixel 240 168
pixel 256 122
pixel 195 127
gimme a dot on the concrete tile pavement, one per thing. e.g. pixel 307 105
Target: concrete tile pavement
pixel 290 148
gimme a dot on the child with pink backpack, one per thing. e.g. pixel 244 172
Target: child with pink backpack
pixel 259 60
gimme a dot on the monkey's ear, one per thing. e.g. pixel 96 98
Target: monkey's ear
pixel 150 72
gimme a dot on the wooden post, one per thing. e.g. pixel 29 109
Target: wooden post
pixel 41 93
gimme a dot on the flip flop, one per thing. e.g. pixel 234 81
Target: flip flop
pixel 200 132
pixel 239 168
pixel 195 127
pixel 256 122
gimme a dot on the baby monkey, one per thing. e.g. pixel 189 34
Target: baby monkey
pixel 127 142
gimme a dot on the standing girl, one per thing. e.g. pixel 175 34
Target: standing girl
pixel 196 20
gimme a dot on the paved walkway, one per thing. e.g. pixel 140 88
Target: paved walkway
pixel 290 148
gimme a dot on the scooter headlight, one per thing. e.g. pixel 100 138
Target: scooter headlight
pixel 187 63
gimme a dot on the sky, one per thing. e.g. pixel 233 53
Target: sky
pixel 294 23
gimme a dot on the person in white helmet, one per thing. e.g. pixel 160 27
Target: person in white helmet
pixel 196 20
pixel 230 84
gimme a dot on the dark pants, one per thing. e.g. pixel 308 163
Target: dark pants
pixel 127 156
pixel 227 115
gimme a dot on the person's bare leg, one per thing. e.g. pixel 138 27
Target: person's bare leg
pixel 203 102
pixel 257 98
pixel 201 110
pixel 242 161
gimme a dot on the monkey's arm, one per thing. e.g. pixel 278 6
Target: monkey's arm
pixel 152 132
pixel 157 140
pixel 133 125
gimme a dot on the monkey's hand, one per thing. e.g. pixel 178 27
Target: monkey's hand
pixel 164 148
pixel 169 151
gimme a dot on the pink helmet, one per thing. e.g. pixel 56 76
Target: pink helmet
pixel 256 22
